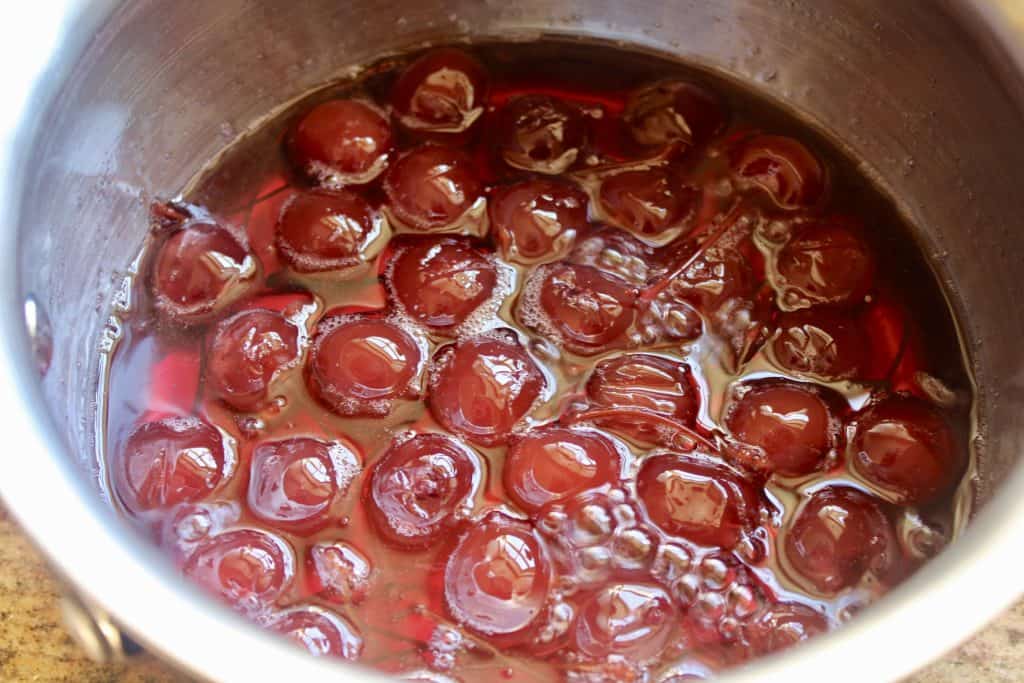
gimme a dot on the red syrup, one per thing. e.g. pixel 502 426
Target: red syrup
pixel 541 362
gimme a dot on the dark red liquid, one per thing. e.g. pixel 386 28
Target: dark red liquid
pixel 543 362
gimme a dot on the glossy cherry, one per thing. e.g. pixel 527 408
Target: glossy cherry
pixel 540 133
pixel 820 343
pixel 643 382
pixel 198 270
pixel 616 252
pixel 319 631
pixel 497 579
pixel 651 203
pixel 419 487
pixel 441 281
pixel 782 167
pixel 432 187
pixel 359 365
pixel 322 232
pixel 826 262
pixel 784 625
pixel 713 278
pixel 581 307
pixel 341 142
pixel 294 482
pixel 246 353
pixel 631 620
pixel 483 386
pixel 838 536
pixel 247 568
pixel 906 448
pixel 673 112
pixel 169 461
pixel 697 498
pixel 537 220
pixel 441 92
pixel 554 463
pixel 339 572
pixel 790 422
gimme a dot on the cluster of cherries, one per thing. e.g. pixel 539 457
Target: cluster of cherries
pixel 559 270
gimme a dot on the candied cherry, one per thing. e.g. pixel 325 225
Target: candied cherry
pixel 247 568
pixel 906 448
pixel 440 281
pixel 294 482
pixel 246 353
pixel 820 343
pixel 170 461
pixel 782 167
pixel 790 422
pixel 339 572
pixel 696 498
pixel 497 579
pixel 540 133
pixel 319 631
pixel 582 307
pixel 556 462
pixel 432 187
pixel 633 620
pixel 441 92
pixel 782 626
pixel 673 112
pixel 341 142
pixel 616 252
pixel 359 365
pixel 652 203
pixel 318 232
pixel 713 278
pixel 537 219
pixel 419 486
pixel 826 262
pixel 838 536
pixel 482 387
pixel 198 270
pixel 643 382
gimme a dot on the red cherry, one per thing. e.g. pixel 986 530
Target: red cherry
pixel 784 625
pixel 432 187
pixel 293 483
pixel 319 232
pixel 673 111
pixel 190 524
pixel 341 142
pixel 319 631
pixel 248 569
pixel 440 281
pixel 820 343
pixel 713 278
pixel 582 308
pixel 359 365
pixel 555 462
pixel 652 203
pixel 616 252
pixel 246 353
pixel 697 498
pixel 631 620
pixel 782 167
pixel 170 461
pixel 419 486
pixel 839 535
pixel 644 383
pixel 483 386
pixel 906 448
pixel 790 422
pixel 825 263
pixel 441 92
pixel 339 572
pixel 537 219
pixel 497 579
pixel 198 270
pixel 540 133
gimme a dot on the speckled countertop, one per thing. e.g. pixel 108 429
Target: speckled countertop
pixel 35 647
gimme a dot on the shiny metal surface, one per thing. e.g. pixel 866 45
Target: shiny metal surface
pixel 129 100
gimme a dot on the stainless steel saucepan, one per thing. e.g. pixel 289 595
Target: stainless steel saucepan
pixel 105 105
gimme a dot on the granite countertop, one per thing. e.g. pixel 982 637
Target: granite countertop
pixel 35 647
